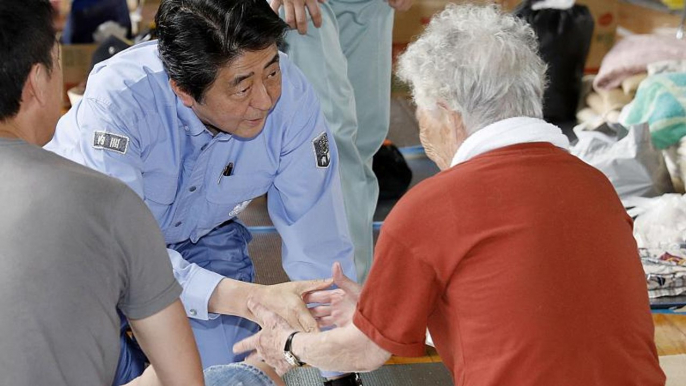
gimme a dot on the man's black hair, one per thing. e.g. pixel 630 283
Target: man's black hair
pixel 199 37
pixel 27 37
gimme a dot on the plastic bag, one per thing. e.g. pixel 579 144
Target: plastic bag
pixel 660 222
pixel 627 157
pixel 564 36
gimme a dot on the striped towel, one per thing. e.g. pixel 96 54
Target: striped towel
pixel 661 101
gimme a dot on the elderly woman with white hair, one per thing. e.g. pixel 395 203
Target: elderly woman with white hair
pixel 518 257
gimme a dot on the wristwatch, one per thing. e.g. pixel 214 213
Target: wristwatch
pixel 288 354
pixel 352 379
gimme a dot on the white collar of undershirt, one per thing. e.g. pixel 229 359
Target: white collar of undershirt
pixel 511 131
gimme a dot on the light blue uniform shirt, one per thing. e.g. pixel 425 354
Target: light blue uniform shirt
pixel 131 126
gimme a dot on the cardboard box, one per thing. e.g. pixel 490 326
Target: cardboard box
pixel 76 63
pixel 606 16
pixel 644 20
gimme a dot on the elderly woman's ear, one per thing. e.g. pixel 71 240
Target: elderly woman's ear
pixel 441 131
pixel 454 119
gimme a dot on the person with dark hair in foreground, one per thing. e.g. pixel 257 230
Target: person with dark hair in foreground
pixel 198 124
pixel 518 256
pixel 76 244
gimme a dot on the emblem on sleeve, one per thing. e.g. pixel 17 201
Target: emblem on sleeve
pixel 109 141
pixel 321 150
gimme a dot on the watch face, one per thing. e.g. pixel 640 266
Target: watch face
pixel 290 358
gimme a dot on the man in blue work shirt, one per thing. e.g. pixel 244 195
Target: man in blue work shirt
pixel 198 124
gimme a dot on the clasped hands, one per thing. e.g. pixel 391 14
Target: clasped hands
pixel 335 307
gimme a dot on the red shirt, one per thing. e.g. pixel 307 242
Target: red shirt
pixel 522 263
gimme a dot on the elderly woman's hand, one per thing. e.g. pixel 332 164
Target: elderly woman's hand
pixel 286 299
pixel 336 306
pixel 269 343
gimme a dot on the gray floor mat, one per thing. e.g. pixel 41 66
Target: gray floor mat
pixel 256 215
pixel 265 252
pixel 418 374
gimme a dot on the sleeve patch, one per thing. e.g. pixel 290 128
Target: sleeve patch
pixel 109 141
pixel 321 150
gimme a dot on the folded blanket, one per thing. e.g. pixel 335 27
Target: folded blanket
pixel 661 102
pixel 630 84
pixel 602 102
pixel 665 273
pixel 632 54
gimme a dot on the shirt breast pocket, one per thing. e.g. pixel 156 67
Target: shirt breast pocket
pixel 160 192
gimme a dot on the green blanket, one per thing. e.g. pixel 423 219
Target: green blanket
pixel 661 101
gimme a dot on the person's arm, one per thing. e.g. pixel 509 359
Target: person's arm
pixel 167 340
pixel 344 349
pixel 305 202
pixel 149 294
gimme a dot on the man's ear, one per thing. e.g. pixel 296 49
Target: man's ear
pixel 36 86
pixel 185 97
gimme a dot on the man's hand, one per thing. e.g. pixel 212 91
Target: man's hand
pixel 268 343
pixel 296 16
pixel 286 300
pixel 400 5
pixel 338 305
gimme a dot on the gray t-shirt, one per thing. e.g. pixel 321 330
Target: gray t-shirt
pixel 74 245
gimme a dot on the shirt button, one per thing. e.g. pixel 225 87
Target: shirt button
pixel 203 147
pixel 178 224
pixel 193 312
pixel 192 188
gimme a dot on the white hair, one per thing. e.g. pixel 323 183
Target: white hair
pixel 482 63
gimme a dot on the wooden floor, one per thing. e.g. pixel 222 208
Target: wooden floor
pixel 670 334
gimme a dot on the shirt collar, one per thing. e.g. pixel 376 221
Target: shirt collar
pixel 192 124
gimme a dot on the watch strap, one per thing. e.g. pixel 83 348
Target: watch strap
pixel 352 379
pixel 288 353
